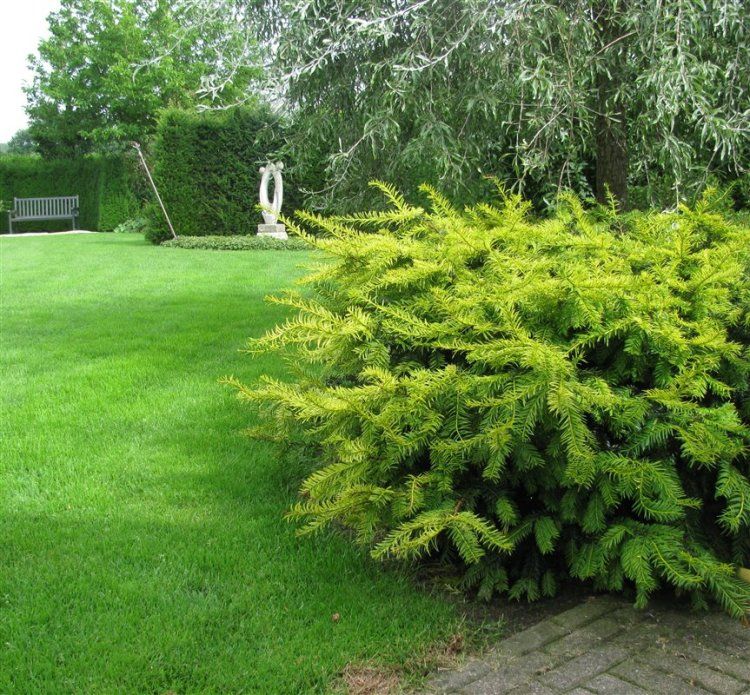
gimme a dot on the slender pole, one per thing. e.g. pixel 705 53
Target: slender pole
pixel 156 191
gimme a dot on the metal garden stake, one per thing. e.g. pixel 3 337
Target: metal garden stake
pixel 153 185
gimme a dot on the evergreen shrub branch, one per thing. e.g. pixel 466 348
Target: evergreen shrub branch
pixel 531 400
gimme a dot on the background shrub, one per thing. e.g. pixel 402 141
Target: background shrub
pixel 530 400
pixel 206 167
pixel 237 243
pixel 134 225
pixel 105 186
pixel 741 190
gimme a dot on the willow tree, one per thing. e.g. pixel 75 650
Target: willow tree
pixel 584 94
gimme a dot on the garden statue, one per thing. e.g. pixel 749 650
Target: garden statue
pixel 271 210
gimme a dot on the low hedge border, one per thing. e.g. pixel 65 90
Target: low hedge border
pixel 250 242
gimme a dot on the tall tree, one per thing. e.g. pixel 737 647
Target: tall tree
pixel 107 68
pixel 21 143
pixel 612 80
pixel 582 94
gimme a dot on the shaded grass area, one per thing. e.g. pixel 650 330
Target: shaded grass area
pixel 142 545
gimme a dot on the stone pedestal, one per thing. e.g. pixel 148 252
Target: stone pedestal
pixel 278 231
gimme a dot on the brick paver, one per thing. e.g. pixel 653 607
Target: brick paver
pixel 605 646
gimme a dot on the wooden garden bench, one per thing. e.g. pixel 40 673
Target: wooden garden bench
pixel 59 208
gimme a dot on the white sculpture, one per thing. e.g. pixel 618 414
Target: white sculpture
pixel 271 210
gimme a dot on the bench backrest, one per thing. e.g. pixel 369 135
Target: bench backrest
pixel 48 208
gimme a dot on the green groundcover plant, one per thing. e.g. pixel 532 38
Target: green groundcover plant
pixel 249 242
pixel 531 400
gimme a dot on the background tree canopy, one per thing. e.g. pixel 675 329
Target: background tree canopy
pixel 108 67
pixel 645 99
pixel 577 94
pixel 21 143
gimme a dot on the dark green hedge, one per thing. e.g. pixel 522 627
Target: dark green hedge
pixel 121 192
pixel 206 166
pixel 104 186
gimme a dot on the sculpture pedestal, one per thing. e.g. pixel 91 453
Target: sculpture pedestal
pixel 278 231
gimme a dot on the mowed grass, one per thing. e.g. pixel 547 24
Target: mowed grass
pixel 142 542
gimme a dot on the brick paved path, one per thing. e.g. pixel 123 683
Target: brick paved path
pixel 605 646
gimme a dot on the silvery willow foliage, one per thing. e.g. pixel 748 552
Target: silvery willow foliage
pixel 533 401
pixel 551 95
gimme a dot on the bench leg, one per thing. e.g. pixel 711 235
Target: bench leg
pixel 74 223
pixel 10 223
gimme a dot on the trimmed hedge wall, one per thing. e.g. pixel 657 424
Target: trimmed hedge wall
pixel 206 166
pixel 104 185
pixel 121 192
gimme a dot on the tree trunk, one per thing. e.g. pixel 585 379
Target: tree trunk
pixel 611 123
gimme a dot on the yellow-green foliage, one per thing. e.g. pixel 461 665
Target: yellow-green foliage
pixel 532 400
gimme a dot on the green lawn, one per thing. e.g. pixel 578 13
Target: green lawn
pixel 142 544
